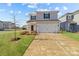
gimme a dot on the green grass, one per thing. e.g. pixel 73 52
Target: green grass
pixel 74 36
pixel 14 48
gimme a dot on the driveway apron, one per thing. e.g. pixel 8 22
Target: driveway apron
pixel 52 44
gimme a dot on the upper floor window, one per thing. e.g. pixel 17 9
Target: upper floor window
pixel 33 17
pixel 46 15
pixel 70 17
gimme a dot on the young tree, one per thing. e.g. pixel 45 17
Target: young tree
pixel 14 14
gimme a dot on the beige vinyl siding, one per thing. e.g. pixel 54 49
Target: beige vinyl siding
pixel 76 18
pixel 53 15
pixel 39 16
pixel 1 25
pixel 63 19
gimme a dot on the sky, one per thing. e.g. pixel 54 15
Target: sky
pixel 21 10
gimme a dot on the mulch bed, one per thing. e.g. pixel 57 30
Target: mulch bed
pixel 15 39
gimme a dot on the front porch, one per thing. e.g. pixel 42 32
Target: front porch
pixel 73 27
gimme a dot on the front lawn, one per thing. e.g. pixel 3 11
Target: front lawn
pixel 14 48
pixel 74 36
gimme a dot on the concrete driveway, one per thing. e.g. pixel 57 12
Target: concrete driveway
pixel 53 44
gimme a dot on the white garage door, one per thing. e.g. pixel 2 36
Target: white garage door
pixel 47 28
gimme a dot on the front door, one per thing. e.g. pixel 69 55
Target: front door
pixel 73 28
pixel 32 28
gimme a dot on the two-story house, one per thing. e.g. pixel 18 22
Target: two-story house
pixel 70 21
pixel 6 25
pixel 1 25
pixel 44 21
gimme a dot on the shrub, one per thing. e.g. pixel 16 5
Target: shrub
pixel 33 32
pixel 24 33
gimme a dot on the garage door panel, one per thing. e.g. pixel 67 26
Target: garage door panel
pixel 47 27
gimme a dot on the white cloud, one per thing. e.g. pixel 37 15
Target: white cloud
pixel 1 10
pixel 48 3
pixel 60 14
pixel 32 5
pixel 26 14
pixel 19 12
pixel 11 11
pixel 50 8
pixel 23 4
pixel 42 9
pixel 57 8
pixel 65 8
pixel 9 4
pixel 15 12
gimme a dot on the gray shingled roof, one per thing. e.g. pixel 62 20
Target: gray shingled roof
pixel 75 12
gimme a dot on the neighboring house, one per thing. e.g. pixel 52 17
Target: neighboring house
pixel 8 25
pixel 1 26
pixel 70 21
pixel 44 21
